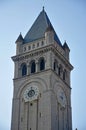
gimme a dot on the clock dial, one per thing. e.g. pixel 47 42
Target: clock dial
pixel 61 97
pixel 31 93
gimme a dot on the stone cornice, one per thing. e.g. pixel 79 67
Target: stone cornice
pixel 62 79
pixel 41 72
pixel 62 57
pixel 41 51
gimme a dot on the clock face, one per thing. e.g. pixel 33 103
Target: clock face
pixel 61 97
pixel 31 93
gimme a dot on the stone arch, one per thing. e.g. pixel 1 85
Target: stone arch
pixel 23 69
pixel 56 87
pixel 42 56
pixel 37 81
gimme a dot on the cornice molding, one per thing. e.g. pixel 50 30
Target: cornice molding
pixel 41 51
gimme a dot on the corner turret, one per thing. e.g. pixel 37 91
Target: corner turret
pixel 19 42
pixel 66 49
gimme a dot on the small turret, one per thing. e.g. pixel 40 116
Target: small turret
pixel 67 50
pixel 19 42
pixel 19 39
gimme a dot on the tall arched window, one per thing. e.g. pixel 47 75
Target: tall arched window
pixel 42 64
pixel 24 69
pixel 64 74
pixel 59 70
pixel 33 67
pixel 55 65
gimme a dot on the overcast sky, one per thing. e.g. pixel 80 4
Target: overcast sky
pixel 69 20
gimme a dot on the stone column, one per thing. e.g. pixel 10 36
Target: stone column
pixel 28 69
pixel 37 66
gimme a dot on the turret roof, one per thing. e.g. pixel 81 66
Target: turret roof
pixel 66 46
pixel 20 38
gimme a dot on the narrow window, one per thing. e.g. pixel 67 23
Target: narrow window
pixel 33 67
pixel 54 66
pixel 24 70
pixel 59 71
pixel 42 64
pixel 40 114
pixel 21 119
pixel 64 74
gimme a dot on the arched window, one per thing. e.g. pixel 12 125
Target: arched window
pixel 42 64
pixel 33 67
pixel 24 69
pixel 59 70
pixel 55 65
pixel 64 74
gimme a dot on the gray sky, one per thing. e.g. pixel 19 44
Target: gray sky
pixel 69 20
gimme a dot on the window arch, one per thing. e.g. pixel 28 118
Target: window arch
pixel 33 67
pixel 42 64
pixel 24 69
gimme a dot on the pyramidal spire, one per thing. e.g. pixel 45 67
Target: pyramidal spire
pixel 38 29
pixel 20 38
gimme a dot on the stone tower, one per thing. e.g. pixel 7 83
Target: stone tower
pixel 42 90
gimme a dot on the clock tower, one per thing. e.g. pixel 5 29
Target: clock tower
pixel 42 90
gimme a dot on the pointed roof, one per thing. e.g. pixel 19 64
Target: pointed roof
pixel 66 46
pixel 39 28
pixel 20 38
